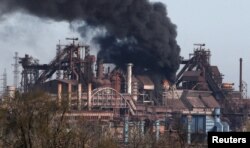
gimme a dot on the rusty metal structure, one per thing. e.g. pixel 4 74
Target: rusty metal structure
pixel 68 61
pixel 118 96
pixel 198 74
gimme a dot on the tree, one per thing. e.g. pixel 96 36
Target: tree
pixel 35 120
pixel 32 120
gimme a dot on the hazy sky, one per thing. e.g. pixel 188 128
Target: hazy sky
pixel 223 25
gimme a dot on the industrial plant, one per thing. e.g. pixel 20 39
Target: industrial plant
pixel 95 89
pixel 137 79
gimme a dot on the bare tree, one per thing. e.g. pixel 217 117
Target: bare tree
pixel 33 120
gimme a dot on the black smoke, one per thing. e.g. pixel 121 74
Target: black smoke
pixel 137 31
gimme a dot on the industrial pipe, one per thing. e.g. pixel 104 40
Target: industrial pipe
pixel 135 90
pixel 219 126
pixel 126 130
pixel 100 69
pixel 240 81
pixel 189 119
pixel 89 95
pixel 142 126
pixel 79 95
pixel 129 78
pixel 59 94
pixel 69 94
pixel 157 129
pixel 217 114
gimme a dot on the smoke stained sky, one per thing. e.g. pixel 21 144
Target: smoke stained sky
pixel 134 28
pixel 223 25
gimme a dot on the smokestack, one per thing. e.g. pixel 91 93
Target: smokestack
pixel 100 69
pixel 89 95
pixel 135 90
pixel 240 81
pixel 129 78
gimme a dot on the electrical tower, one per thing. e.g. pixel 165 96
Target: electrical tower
pixel 16 70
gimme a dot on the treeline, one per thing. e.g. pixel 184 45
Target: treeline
pixel 32 120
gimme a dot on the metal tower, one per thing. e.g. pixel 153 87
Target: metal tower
pixel 58 52
pixel 16 70
pixel 244 90
pixel 4 79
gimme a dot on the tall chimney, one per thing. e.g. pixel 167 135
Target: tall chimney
pixel 240 82
pixel 100 69
pixel 129 78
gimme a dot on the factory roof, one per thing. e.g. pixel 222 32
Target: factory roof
pixel 175 104
pixel 210 101
pixel 146 82
pixel 199 99
pixel 195 102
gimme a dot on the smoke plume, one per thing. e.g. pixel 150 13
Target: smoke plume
pixel 137 31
